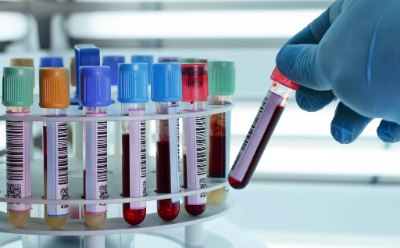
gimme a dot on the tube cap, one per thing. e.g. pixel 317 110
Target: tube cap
pixel 28 62
pixel 148 59
pixel 18 86
pixel 112 62
pixel 194 82
pixel 222 78
pixel 133 82
pixel 277 76
pixel 53 88
pixel 168 59
pixel 95 86
pixel 194 60
pixel 167 82
pixel 51 62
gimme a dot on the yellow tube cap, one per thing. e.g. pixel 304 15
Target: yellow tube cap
pixel 53 88
pixel 28 62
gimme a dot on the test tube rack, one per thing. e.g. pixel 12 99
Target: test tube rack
pixel 95 237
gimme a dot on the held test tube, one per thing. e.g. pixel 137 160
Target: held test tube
pixel 221 87
pixel 261 130
pixel 18 97
pixel 54 99
pixel 132 94
pixel 167 92
pixel 95 97
pixel 194 97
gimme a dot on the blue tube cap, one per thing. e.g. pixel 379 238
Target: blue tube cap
pixel 95 86
pixel 132 83
pixel 148 59
pixel 112 62
pixel 167 82
pixel 51 62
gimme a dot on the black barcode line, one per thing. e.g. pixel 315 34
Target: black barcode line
pixel 62 158
pixel 143 149
pixel 200 123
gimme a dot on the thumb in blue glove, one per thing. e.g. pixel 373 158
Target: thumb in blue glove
pixel 351 52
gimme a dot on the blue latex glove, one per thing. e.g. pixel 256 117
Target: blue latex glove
pixel 351 52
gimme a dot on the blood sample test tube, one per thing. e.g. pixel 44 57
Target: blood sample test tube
pixel 194 97
pixel 54 100
pixel 148 59
pixel 112 61
pixel 222 80
pixel 85 55
pixel 166 93
pixel 51 62
pixel 169 59
pixel 261 130
pixel 132 94
pixel 95 97
pixel 18 97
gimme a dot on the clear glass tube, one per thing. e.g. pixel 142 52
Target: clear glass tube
pixel 95 160
pixel 18 165
pixel 134 162
pixel 167 160
pixel 259 135
pixel 55 155
pixel 219 147
pixel 194 158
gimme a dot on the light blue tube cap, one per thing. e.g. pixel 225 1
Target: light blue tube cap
pixel 132 83
pixel 167 82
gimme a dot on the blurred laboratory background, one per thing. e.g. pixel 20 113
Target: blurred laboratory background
pixel 308 190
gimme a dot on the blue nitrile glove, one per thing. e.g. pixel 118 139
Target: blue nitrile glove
pixel 351 52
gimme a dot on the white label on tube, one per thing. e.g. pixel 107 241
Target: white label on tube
pixel 137 159
pixel 254 136
pixel 18 157
pixel 57 166
pixel 96 164
pixel 195 141
pixel 173 125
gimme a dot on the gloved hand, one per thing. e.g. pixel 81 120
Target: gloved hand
pixel 351 52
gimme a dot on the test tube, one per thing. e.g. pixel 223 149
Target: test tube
pixel 133 95
pixel 54 99
pixel 95 97
pixel 194 97
pixel 51 62
pixel 85 55
pixel 148 59
pixel 166 93
pixel 222 87
pixel 72 71
pixel 194 60
pixel 112 61
pixel 261 130
pixel 17 98
pixel 25 62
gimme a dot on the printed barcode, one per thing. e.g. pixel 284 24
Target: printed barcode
pixel 102 151
pixel 143 155
pixel 62 153
pixel 178 152
pixel 15 151
pixel 201 152
pixel 250 133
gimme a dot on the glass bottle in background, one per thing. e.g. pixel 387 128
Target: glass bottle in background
pixel 17 98
pixel 54 100
pixel 133 95
pixel 222 80
pixel 166 93
pixel 95 97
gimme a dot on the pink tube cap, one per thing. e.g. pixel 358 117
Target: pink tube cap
pixel 277 76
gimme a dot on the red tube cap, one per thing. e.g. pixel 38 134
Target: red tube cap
pixel 277 76
pixel 194 82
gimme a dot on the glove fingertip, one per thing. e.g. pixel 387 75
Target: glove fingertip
pixel 342 135
pixel 388 132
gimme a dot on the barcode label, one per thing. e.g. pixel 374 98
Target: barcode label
pixel 57 166
pixel 96 164
pixel 173 126
pixel 137 159
pixel 254 136
pixel 195 142
pixel 18 156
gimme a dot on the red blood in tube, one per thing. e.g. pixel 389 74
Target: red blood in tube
pixel 191 209
pixel 217 156
pixel 131 216
pixel 259 151
pixel 166 209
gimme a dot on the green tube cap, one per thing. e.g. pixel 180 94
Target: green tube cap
pixel 17 86
pixel 221 78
